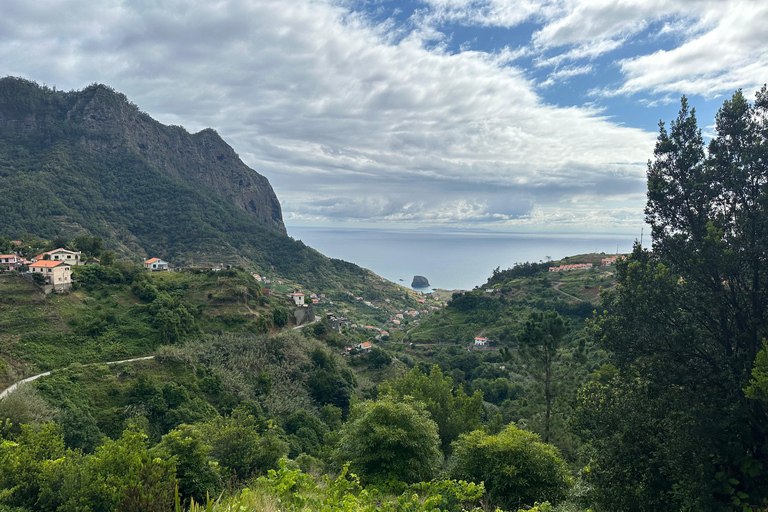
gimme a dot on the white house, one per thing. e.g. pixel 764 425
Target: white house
pixel 481 342
pixel 298 298
pixel 155 264
pixel 61 254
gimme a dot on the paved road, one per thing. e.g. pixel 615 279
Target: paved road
pixel 15 385
pixel 317 319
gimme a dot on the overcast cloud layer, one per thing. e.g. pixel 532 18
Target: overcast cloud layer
pixel 509 115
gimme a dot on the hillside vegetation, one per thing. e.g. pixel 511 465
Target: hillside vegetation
pixel 91 163
pixel 636 387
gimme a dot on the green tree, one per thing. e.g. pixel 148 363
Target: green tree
pixel 24 463
pixel 685 325
pixel 198 474
pixel 240 448
pixel 452 410
pixel 386 440
pixel 758 385
pixel 378 358
pixel 540 341
pixel 93 246
pixel 516 467
pixel 25 406
pixel 79 429
pixel 280 316
pixel 124 476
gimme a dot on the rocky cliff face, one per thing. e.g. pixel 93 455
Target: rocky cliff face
pixel 104 122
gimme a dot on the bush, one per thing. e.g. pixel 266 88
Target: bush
pixel 517 468
pixel 280 316
pixel 387 441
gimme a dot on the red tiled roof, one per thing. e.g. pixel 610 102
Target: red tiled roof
pixel 48 264
pixel 152 260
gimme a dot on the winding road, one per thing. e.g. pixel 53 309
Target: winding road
pixel 15 385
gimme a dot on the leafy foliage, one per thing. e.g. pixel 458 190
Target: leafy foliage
pixel 686 324
pixel 452 410
pixel 515 466
pixel 386 441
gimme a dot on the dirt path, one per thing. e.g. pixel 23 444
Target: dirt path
pixel 15 385
pixel 557 288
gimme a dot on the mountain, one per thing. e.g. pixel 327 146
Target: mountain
pixel 90 162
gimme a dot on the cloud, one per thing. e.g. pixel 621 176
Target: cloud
pixel 732 54
pixel 498 13
pixel 349 123
pixel 562 75
pixel 716 47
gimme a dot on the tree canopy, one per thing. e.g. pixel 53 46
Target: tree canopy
pixel 685 324
pixel 387 441
pixel 517 468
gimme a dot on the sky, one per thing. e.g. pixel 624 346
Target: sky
pixel 504 115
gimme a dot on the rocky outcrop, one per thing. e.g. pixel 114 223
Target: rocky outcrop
pixel 420 282
pixel 105 122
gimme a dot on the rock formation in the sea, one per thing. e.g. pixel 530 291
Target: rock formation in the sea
pixel 420 282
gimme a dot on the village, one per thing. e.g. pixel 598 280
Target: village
pixel 52 272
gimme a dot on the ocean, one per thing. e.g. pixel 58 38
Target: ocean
pixel 449 260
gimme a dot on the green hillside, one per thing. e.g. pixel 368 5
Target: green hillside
pixel 91 163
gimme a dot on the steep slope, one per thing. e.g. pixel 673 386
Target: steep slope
pixel 90 162
pixel 100 122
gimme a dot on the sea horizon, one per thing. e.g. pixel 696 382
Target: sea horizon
pixel 451 259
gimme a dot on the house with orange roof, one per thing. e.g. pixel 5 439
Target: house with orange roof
pixel 56 273
pixel 155 264
pixel 481 341
pixel 364 347
pixel 298 298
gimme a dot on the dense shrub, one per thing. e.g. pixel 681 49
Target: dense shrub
pixel 516 467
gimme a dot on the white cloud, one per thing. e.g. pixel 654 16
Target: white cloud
pixel 498 13
pixel 564 74
pixel 731 54
pixel 720 46
pixel 347 124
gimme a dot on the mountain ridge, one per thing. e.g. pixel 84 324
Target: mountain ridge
pixel 105 122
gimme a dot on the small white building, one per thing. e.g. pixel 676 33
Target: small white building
pixel 481 342
pixel 298 298
pixel 61 254
pixel 155 264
